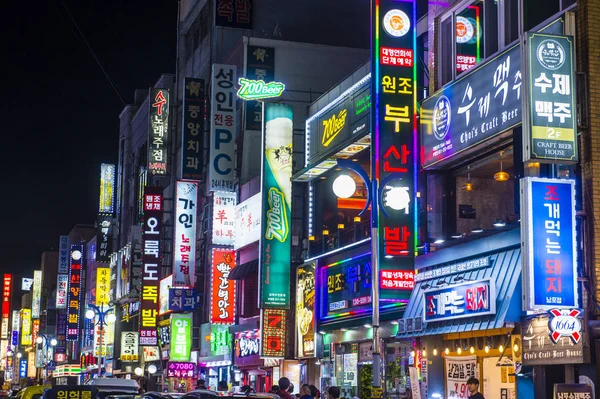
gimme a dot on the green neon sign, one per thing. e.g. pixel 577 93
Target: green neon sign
pixel 258 89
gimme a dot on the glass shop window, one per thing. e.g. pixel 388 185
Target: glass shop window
pixel 476 199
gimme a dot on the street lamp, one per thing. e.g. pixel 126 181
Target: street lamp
pixel 104 317
pixel 49 342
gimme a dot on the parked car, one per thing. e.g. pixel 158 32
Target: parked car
pixel 115 388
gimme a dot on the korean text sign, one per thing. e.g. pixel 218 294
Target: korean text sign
pixel 222 127
pixel 26 327
pixel 181 337
pixel 163 294
pixel 182 299
pixel 181 369
pixel 102 286
pixel 151 237
pixel 345 286
pixel 306 296
pixel 71 392
pixel 260 65
pixel 548 235
pixel 104 241
pixel 158 138
pixel 475 298
pixel 193 129
pixel 63 255
pixel 184 268
pixel 458 371
pixel 274 259
pixel 394 90
pixel 273 331
pixel 36 294
pixel 551 131
pixel 223 221
pixel 233 14
pixel 130 346
pixel 74 294
pixel 106 204
pixel 484 103
pixel 6 298
pixel 248 221
pixel 62 287
pixel 223 290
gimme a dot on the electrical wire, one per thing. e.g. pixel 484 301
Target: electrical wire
pixel 113 85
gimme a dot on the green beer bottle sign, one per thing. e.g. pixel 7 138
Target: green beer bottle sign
pixel 258 89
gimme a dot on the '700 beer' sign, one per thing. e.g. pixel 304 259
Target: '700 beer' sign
pixel 475 298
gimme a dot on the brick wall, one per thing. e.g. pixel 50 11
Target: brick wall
pixel 588 62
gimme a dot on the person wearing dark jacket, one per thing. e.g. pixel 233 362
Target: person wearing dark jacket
pixel 284 385
pixel 305 392
pixel 473 385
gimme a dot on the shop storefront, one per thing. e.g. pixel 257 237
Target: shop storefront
pixel 249 368
pixel 464 317
pixel 216 355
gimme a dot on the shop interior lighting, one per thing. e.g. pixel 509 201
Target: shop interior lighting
pixel 447 351
pixel 501 175
pixel 394 322
pixel 468 186
pixel 456 236
pixel 435 351
pixel 501 348
pixel 472 350
pixel 322 332
pixel 367 325
pixel 477 230
pixel 487 349
pixel 439 241
pixel 459 350
pixel 424 352
pixel 499 223
pixel 325 232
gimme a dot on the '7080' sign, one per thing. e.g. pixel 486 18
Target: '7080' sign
pixel 474 298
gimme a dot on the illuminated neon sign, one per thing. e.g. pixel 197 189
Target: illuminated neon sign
pixel 258 89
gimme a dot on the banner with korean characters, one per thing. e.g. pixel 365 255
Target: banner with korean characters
pixel 158 135
pixel 152 255
pixel 233 14
pixel 458 370
pixel 71 392
pixel 192 147
pixel 130 346
pixel 485 103
pixel 182 299
pixel 74 294
pixel 181 337
pixel 248 224
pixel 550 128
pixel 223 220
pixel 223 290
pixel 573 391
pixel 102 286
pixel 63 255
pixel 395 155
pixel 475 298
pixel 6 305
pixel 548 236
pixel 273 327
pixel 276 188
pixel 260 65
pixel 184 259
pixel 222 128
pixel 305 311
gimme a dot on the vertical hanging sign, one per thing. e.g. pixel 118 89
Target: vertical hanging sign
pixel 550 131
pixel 36 294
pixel 152 257
pixel 158 138
pixel 102 286
pixel 62 287
pixel 305 311
pixel 74 293
pixel 276 188
pixel 63 255
pixel 6 298
pixel 260 65
pixel 548 236
pixel 184 268
pixel 272 333
pixel 193 129
pixel 222 305
pixel 181 337
pixel 395 152
pixel 222 128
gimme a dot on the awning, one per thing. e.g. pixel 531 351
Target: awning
pixel 243 270
pixel 504 252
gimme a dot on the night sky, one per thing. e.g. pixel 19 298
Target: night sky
pixel 61 121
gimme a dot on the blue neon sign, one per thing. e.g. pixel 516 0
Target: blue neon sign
pixel 549 240
pixel 23 368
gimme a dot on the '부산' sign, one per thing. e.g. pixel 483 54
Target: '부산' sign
pixel 549 249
